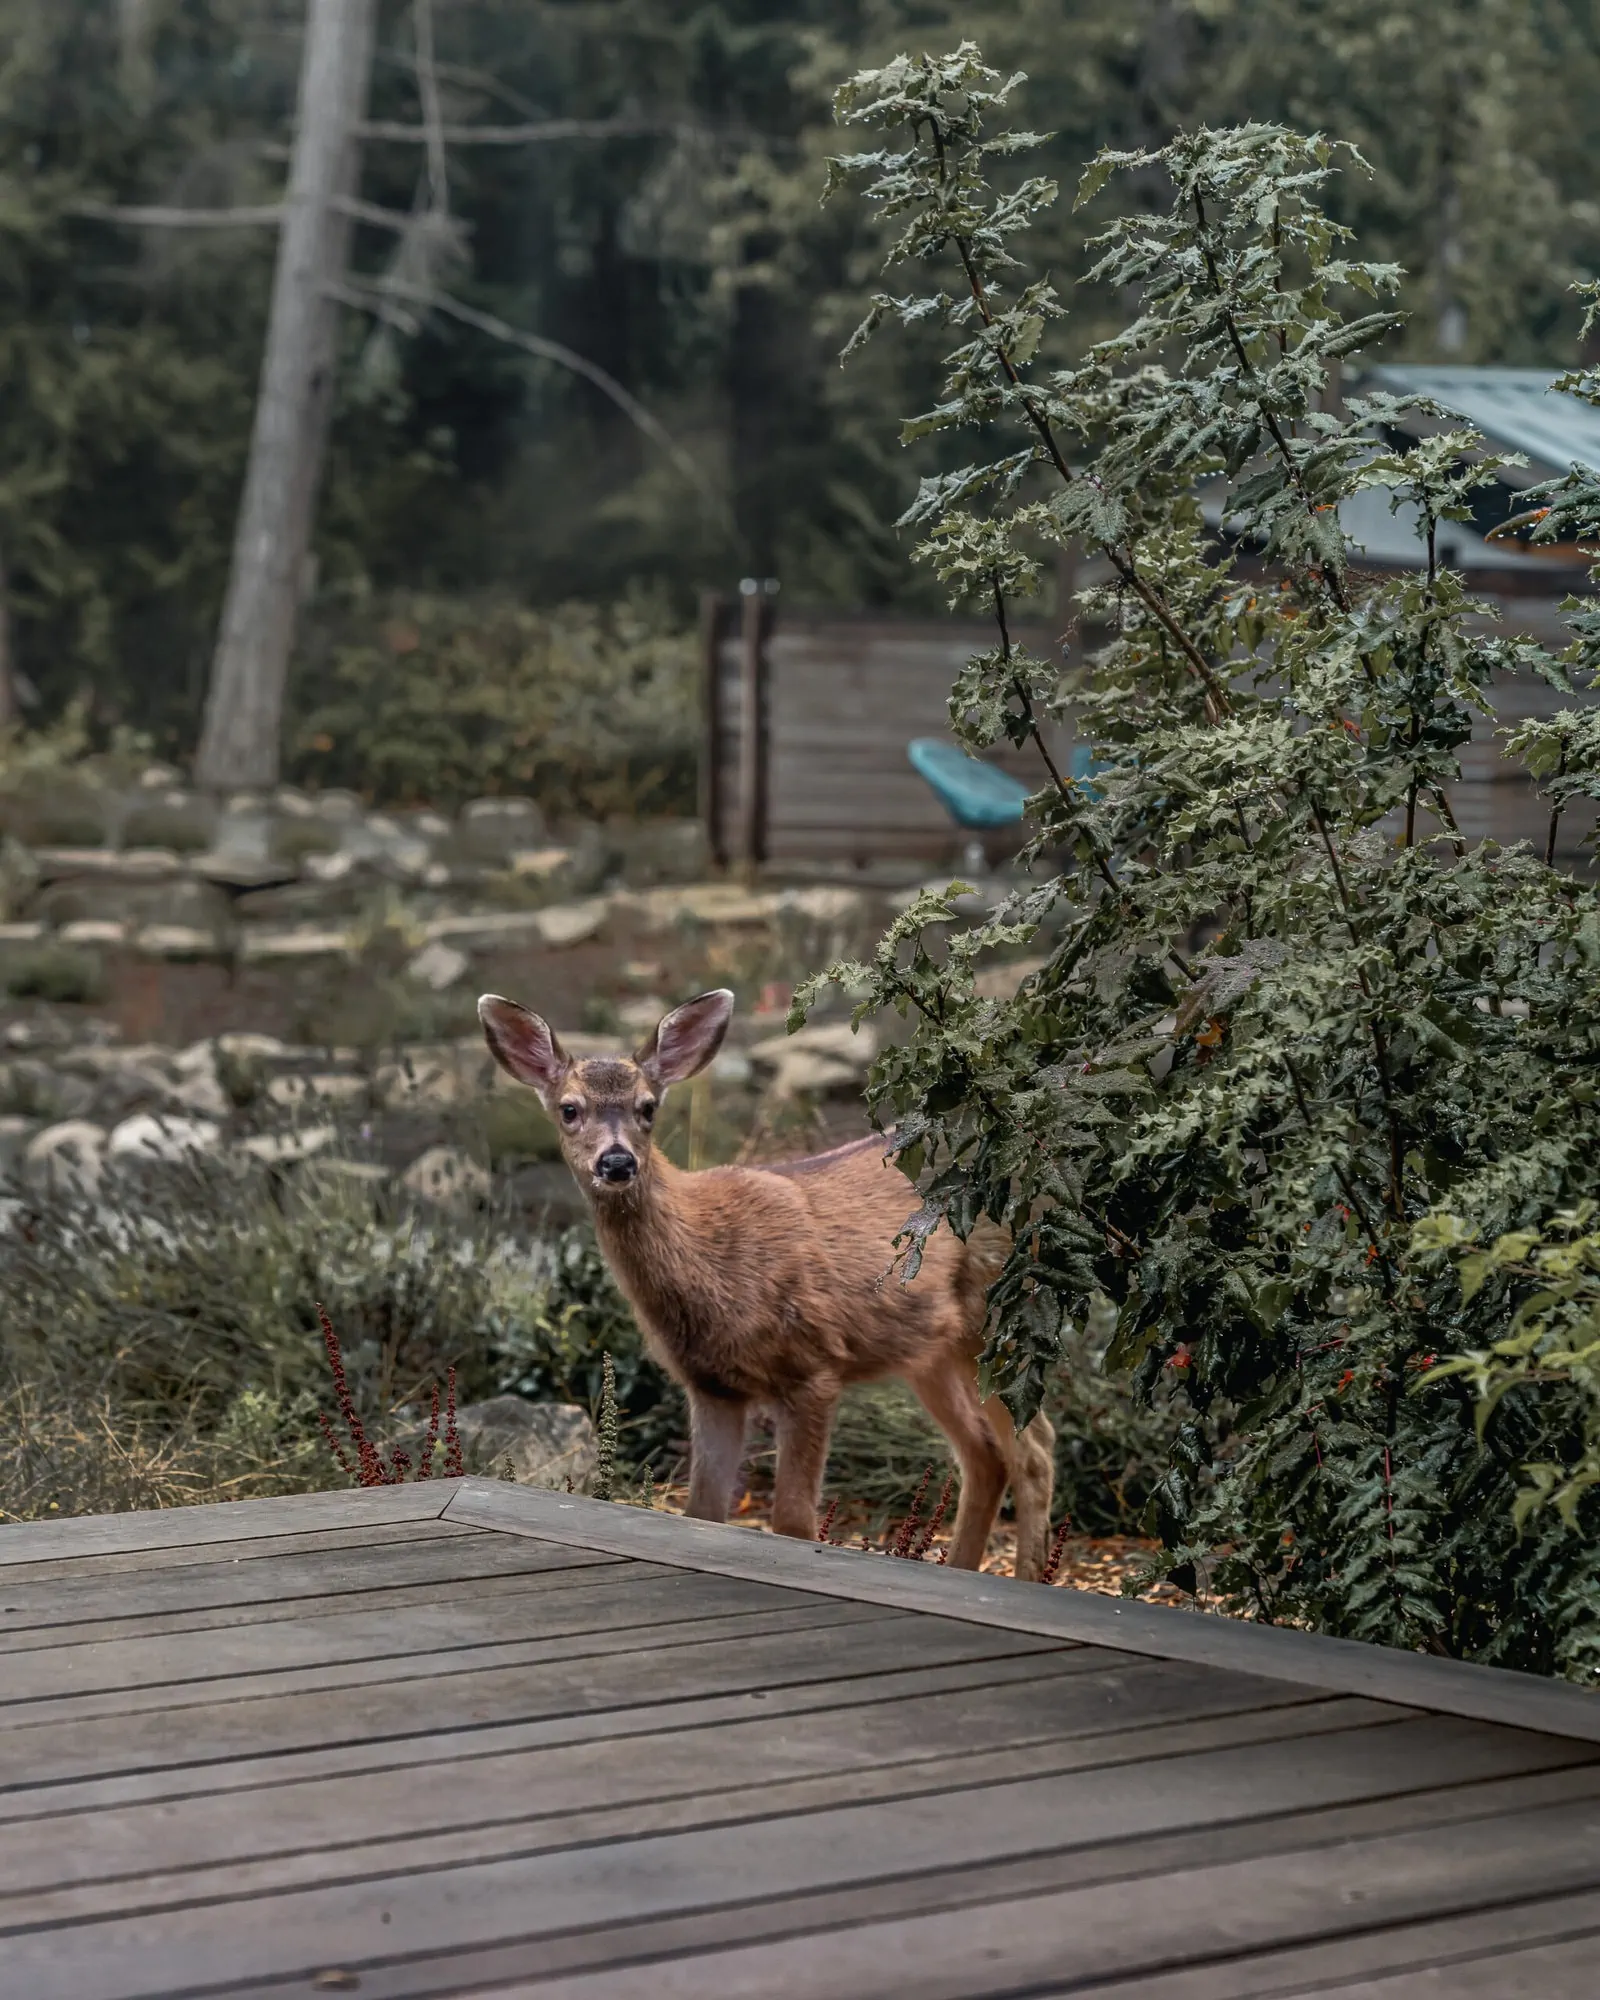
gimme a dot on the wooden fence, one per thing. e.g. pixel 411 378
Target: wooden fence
pixel 808 714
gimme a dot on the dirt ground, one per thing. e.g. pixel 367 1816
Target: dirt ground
pixel 1102 1564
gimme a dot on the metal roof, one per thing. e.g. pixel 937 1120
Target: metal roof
pixel 1518 409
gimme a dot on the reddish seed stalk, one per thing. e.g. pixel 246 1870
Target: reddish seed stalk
pixel 937 1521
pixel 826 1527
pixel 905 1541
pixel 454 1464
pixel 1053 1562
pixel 425 1463
pixel 369 1469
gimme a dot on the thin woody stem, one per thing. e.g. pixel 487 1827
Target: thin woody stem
pixel 1346 1186
pixel 1062 785
pixel 1379 1046
pixel 1123 564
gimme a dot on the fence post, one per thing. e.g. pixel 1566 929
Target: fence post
pixel 713 817
pixel 755 626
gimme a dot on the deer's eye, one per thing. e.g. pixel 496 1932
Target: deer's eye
pixel 647 1113
pixel 570 1114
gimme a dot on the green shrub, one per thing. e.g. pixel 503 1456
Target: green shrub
pixel 1224 1152
pixel 443 699
pixel 58 972
pixel 182 1333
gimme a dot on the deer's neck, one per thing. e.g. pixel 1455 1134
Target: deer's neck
pixel 657 1256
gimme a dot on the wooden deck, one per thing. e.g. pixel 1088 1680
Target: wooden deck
pixel 471 1738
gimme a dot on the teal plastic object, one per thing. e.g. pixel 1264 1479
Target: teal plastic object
pixel 974 794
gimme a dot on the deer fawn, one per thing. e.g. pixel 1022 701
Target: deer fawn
pixel 773 1285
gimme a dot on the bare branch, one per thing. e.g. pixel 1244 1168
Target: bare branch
pixel 540 133
pixel 269 215
pixel 432 108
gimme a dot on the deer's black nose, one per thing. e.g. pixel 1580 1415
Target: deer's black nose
pixel 617 1166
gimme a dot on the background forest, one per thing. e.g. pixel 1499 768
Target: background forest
pixel 666 229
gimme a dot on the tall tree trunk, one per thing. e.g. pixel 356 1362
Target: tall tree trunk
pixel 8 685
pixel 239 744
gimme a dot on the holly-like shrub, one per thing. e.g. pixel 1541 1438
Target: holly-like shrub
pixel 1226 1148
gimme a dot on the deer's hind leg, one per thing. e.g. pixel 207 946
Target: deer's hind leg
pixel 1030 1454
pixel 946 1385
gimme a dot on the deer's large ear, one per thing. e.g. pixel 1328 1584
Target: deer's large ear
pixel 686 1039
pixel 523 1044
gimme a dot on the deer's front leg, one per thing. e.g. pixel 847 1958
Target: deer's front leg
pixel 804 1425
pixel 716 1451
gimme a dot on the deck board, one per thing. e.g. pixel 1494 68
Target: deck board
pixel 470 1738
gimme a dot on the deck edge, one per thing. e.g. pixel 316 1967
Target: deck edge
pixel 1339 1666
pixel 24 1542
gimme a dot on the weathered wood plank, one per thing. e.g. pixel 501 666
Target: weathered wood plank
pixel 612 1789
pixel 62 1569
pixel 1059 1943
pixel 609 1885
pixel 236 1521
pixel 588 1684
pixel 306 1659
pixel 529 1823
pixel 976 1882
pixel 886 1694
pixel 1339 1666
pixel 1539 1949
pixel 78 1609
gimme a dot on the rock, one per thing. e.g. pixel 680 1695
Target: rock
pixel 183 900
pixel 282 1149
pixel 710 903
pixel 495 829
pixel 241 1046
pixel 425 1081
pixel 181 943
pixel 134 1087
pixel 19 876
pixel 15 1133
pixel 572 923
pixel 163 1140
pixel 835 1040
pixel 183 821
pixel 438 966
pixel 641 1015
pixel 96 931
pixel 379 844
pixel 559 924
pixel 824 905
pixel 112 864
pixel 546 1443
pixel 53 808
pixel 548 866
pixel 659 850
pixel 292 1091
pixel 302 942
pixel 1001 982
pixel 66 1159
pixel 353 1173
pixel 38 1090
pixel 199 1087
pixel 817 1060
pixel 338 808
pixel 244 853
pixel 446 1175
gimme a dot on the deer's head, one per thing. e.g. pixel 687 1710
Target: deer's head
pixel 604 1107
